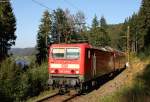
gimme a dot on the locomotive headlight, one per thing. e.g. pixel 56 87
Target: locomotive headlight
pixel 77 72
pixel 52 71
pixel 73 82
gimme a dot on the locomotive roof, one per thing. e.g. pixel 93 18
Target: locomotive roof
pixel 105 49
pixel 108 49
pixel 76 44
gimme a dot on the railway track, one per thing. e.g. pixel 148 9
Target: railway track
pixel 72 96
pixel 60 98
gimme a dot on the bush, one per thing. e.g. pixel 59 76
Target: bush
pixel 144 53
pixel 17 85
pixel 37 79
pixel 9 79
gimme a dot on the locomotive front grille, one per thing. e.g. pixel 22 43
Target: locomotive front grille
pixel 68 80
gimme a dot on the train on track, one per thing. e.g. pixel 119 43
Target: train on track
pixel 79 66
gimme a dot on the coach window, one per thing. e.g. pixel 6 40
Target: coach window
pixel 72 53
pixel 58 53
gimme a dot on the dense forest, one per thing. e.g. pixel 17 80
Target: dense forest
pixel 61 26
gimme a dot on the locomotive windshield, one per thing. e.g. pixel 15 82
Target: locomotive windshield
pixel 68 53
pixel 72 53
pixel 58 53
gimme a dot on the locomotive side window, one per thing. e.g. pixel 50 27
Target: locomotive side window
pixel 72 53
pixel 58 53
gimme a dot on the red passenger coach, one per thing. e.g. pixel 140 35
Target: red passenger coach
pixel 78 65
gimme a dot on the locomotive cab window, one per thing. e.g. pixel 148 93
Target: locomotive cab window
pixel 72 53
pixel 66 53
pixel 58 53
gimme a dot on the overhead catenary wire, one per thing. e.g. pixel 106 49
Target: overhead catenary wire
pixel 72 5
pixel 76 8
pixel 44 6
pixel 41 4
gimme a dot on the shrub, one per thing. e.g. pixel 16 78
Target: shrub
pixel 9 79
pixel 17 84
pixel 37 79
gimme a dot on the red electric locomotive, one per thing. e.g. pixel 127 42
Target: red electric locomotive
pixel 79 65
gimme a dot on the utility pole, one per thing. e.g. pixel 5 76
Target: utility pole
pixel 128 43
pixel 127 36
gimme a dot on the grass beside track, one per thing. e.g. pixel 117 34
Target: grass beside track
pixel 138 90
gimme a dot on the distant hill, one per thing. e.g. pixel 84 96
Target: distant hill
pixel 23 51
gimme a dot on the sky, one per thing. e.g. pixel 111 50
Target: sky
pixel 28 14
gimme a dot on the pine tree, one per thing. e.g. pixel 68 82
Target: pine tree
pixel 103 23
pixel 7 28
pixel 144 17
pixel 43 37
pixel 105 37
pixel 93 32
pixel 98 35
pixel 122 41
pixel 135 36
pixel 95 37
pixel 95 23
pixel 63 28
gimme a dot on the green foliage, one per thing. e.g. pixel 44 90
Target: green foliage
pixel 9 79
pixel 114 34
pixel 111 98
pixel 144 54
pixel 59 27
pixel 37 79
pixel 17 85
pixel 144 20
pixel 98 36
pixel 103 23
pixel 122 40
pixel 7 28
pixel 139 29
pixel 62 26
pixel 139 92
pixel 42 37
pixel 95 22
pixel 66 27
